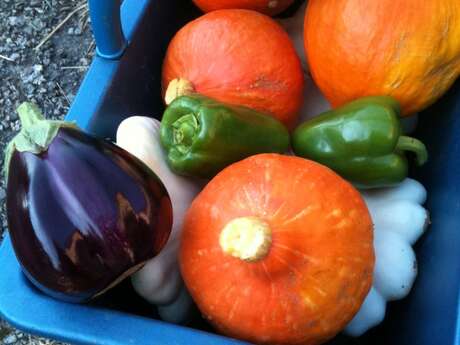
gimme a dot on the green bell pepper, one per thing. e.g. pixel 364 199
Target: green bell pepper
pixel 202 136
pixel 362 141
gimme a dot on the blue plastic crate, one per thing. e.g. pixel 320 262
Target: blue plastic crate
pixel 127 82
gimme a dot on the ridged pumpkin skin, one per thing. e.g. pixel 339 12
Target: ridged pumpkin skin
pixel 409 49
pixel 240 57
pixel 319 266
pixel 270 7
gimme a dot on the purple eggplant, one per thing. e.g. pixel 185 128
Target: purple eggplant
pixel 83 214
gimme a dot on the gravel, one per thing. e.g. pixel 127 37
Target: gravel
pixel 48 76
pixel 9 336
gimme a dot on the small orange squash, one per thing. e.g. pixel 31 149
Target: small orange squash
pixel 409 49
pixel 239 57
pixel 278 250
pixel 270 7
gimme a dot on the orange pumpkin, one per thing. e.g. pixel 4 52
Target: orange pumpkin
pixel 278 250
pixel 236 56
pixel 270 7
pixel 409 49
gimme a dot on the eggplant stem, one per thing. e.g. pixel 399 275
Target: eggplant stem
pixel 413 145
pixel 36 133
pixel 29 114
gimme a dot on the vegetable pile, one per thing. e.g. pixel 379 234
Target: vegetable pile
pixel 283 220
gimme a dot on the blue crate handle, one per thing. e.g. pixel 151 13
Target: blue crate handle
pixel 106 23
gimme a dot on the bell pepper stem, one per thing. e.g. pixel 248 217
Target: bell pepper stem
pixel 413 145
pixel 185 130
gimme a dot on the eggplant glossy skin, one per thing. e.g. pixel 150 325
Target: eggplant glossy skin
pixel 83 215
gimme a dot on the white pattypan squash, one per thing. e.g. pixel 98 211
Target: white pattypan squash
pixel 159 281
pixel 399 221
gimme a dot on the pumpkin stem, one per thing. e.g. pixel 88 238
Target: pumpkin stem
pixel 176 88
pixel 246 238
pixel 273 4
